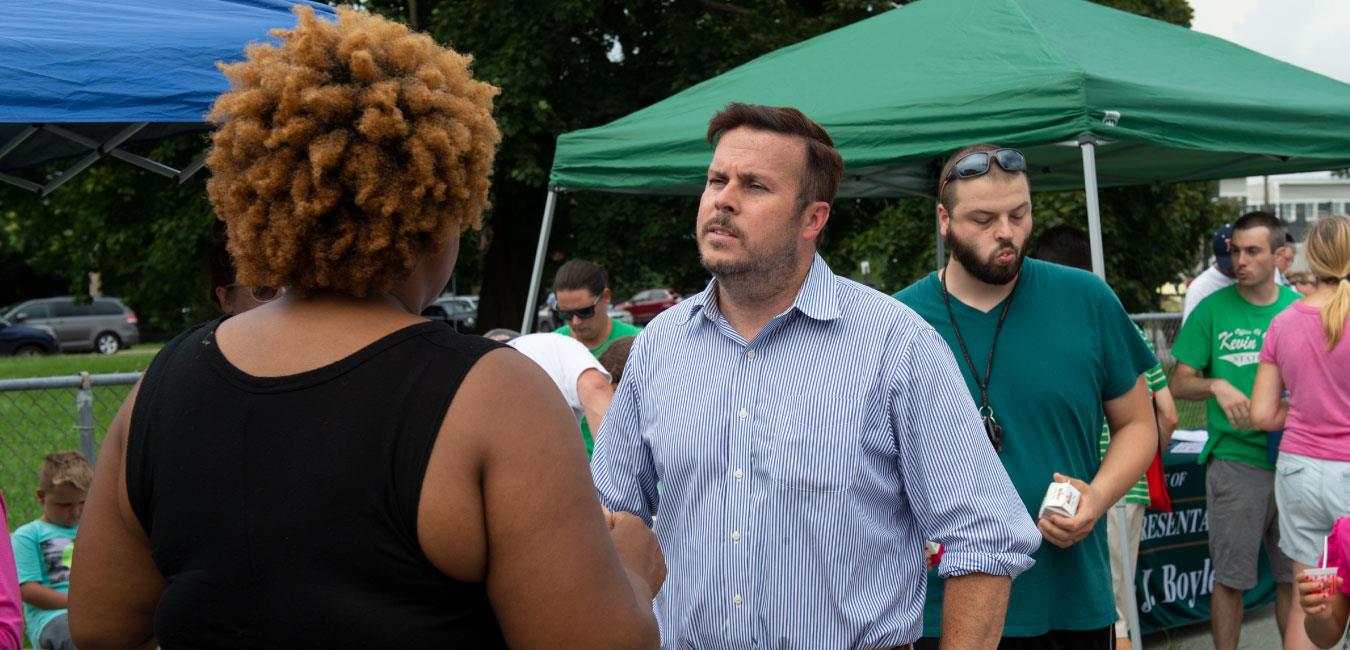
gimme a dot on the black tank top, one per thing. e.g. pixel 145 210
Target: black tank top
pixel 282 511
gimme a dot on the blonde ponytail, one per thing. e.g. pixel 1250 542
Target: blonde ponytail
pixel 1335 313
pixel 1328 251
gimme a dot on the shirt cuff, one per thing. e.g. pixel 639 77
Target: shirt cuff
pixel 994 564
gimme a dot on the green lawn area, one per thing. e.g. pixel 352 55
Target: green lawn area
pixel 34 423
pixel 135 359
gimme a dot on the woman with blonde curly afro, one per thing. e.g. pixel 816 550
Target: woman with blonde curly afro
pixel 331 469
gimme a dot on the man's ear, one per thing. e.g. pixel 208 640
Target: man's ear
pixel 817 215
pixel 944 220
pixel 606 296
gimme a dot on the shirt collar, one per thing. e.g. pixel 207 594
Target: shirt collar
pixel 818 297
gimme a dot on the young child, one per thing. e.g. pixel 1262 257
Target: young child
pixel 1326 617
pixel 43 549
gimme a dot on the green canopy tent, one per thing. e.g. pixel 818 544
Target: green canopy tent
pixel 1093 96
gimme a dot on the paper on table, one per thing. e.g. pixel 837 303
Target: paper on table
pixel 1191 435
pixel 1188 447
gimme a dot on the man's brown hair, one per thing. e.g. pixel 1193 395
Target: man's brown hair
pixel 824 166
pixel 1257 219
pixel 615 357
pixel 65 468
pixel 948 197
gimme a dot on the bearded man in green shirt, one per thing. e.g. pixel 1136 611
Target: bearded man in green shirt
pixel 1216 354
pixel 1046 351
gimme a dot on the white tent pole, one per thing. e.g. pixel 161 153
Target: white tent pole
pixel 1089 148
pixel 1127 572
pixel 527 324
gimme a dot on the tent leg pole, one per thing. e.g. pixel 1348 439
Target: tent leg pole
pixel 527 324
pixel 1089 147
pixel 937 235
pixel 1127 571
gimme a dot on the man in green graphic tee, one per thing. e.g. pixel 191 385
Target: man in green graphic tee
pixel 582 289
pixel 1063 354
pixel 1216 354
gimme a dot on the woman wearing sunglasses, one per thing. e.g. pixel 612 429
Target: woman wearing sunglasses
pixel 331 470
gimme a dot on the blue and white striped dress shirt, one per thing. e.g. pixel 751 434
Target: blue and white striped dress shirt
pixel 802 471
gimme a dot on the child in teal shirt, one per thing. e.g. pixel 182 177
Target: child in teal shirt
pixel 43 549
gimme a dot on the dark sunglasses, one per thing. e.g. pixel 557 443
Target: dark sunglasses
pixel 977 164
pixel 565 315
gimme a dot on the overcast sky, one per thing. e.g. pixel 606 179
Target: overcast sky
pixel 1314 34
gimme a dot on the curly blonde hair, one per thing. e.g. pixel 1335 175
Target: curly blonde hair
pixel 348 153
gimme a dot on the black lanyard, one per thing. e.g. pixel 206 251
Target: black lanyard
pixel 991 426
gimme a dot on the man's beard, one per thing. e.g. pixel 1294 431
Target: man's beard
pixel 987 270
pixel 759 271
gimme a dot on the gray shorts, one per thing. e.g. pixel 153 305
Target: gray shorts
pixel 56 635
pixel 1242 515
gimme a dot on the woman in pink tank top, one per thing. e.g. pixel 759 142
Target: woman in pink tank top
pixel 1306 354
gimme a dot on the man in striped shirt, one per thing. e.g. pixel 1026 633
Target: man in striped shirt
pixel 807 433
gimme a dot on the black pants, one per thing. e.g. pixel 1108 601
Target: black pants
pixel 1098 639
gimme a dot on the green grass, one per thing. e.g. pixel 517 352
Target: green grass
pixel 135 359
pixel 34 423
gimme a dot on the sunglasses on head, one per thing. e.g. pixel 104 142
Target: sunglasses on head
pixel 977 164
pixel 565 315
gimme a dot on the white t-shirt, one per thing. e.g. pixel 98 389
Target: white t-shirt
pixel 1208 282
pixel 564 359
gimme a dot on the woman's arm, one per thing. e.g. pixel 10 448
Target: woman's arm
pixel 114 586
pixel 1268 406
pixel 510 458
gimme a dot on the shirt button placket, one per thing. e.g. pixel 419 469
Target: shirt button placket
pixel 741 562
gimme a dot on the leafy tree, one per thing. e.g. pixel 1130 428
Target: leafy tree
pixel 145 236
pixel 565 65
pixel 572 64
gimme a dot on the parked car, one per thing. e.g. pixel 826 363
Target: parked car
pixel 647 304
pixel 461 312
pixel 104 325
pixel 26 340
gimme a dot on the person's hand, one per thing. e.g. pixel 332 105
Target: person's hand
pixel 1236 406
pixel 1066 531
pixel 638 549
pixel 1312 598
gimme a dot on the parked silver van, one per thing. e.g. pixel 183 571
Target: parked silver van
pixel 104 325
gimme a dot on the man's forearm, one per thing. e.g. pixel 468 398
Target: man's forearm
pixel 973 608
pixel 1191 388
pixel 1127 458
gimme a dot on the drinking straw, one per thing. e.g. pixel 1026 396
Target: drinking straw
pixel 1324 550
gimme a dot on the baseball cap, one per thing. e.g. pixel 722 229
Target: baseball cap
pixel 1223 244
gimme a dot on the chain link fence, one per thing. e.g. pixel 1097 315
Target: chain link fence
pixel 42 415
pixel 1161 329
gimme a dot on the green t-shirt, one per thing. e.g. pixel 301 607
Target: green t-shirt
pixel 1222 339
pixel 42 554
pixel 619 330
pixel 1066 347
pixel 1156 380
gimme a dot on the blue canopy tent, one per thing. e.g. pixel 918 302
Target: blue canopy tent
pixel 85 78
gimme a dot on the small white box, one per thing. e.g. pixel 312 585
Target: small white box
pixel 1060 498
